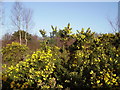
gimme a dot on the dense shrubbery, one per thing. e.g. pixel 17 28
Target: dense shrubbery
pixel 83 60
pixel 34 72
pixel 14 52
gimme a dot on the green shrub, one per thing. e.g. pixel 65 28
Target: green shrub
pixel 34 72
pixel 88 62
pixel 14 52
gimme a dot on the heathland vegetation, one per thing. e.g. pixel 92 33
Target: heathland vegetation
pixel 63 60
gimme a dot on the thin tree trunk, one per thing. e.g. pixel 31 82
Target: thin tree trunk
pixel 20 37
pixel 26 38
pixel 26 35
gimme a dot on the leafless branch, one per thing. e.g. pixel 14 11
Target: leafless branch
pixel 21 18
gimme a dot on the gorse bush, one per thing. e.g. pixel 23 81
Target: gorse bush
pixel 34 72
pixel 95 63
pixel 83 60
pixel 14 53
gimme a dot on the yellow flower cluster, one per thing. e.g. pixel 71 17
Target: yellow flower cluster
pixel 106 76
pixel 39 67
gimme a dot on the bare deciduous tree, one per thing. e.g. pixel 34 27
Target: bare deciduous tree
pixel 27 18
pixel 115 24
pixel 21 19
pixel 16 17
pixel 1 14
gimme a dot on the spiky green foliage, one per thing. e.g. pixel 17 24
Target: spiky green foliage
pixel 14 53
pixel 83 60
